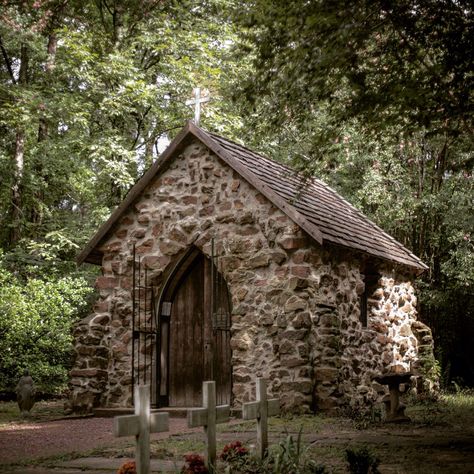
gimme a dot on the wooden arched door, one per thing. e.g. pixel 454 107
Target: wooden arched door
pixel 194 342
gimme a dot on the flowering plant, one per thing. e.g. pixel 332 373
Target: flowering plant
pixel 194 464
pixel 128 467
pixel 234 451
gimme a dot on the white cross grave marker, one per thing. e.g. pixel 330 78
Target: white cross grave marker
pixel 197 101
pixel 261 410
pixel 140 425
pixel 208 416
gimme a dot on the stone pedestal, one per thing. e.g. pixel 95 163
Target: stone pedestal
pixel 394 409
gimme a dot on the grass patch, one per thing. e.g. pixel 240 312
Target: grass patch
pixel 305 423
pixel 173 447
pixel 450 409
pixel 283 424
pixel 41 411
pixel 460 407
pixel 331 456
pixel 168 448
pixel 48 461
pixel 124 451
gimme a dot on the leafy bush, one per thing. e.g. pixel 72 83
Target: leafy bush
pixel 288 457
pixel 236 455
pixel 362 417
pixel 362 461
pixel 194 464
pixel 36 317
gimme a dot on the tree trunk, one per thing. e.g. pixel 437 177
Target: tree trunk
pixel 17 191
pixel 16 210
pixel 43 132
pixel 49 66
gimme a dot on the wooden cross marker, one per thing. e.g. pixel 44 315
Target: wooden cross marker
pixel 197 101
pixel 141 425
pixel 208 416
pixel 261 410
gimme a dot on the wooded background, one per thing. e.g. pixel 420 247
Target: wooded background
pixel 374 97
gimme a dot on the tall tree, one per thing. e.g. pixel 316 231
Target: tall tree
pixel 376 97
pixel 88 91
pixel 399 62
pixel 103 83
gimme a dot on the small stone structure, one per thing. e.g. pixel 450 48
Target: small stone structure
pixel 299 291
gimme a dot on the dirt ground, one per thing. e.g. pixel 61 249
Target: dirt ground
pixel 31 441
pixel 437 440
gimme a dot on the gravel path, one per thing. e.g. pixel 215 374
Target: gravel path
pixel 22 441
pixel 402 449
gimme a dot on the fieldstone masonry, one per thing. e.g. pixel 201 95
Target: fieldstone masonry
pixel 296 305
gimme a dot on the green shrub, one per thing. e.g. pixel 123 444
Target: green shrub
pixel 362 461
pixel 36 317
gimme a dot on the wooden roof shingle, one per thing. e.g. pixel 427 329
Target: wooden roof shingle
pixel 309 202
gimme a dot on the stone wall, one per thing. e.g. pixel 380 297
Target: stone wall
pixel 296 305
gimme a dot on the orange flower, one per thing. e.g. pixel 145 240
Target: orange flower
pixel 128 467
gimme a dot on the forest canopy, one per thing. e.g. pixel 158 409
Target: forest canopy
pixel 378 97
pixel 373 97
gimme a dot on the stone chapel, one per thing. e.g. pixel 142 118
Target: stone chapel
pixel 221 264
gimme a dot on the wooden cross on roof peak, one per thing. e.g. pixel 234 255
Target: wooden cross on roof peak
pixel 197 101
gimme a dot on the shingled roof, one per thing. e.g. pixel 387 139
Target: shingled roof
pixel 309 202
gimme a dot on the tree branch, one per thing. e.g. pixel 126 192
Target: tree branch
pixel 107 7
pixel 139 126
pixel 7 61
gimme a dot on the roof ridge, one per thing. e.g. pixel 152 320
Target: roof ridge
pixel 260 155
pixel 308 201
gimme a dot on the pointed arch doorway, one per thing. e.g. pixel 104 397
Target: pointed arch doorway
pixel 194 341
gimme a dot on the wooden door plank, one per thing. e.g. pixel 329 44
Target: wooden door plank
pixel 187 339
pixel 193 341
pixel 197 350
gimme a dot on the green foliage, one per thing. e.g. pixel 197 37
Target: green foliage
pixel 362 461
pixel 388 63
pixel 89 92
pixel 376 99
pixel 95 108
pixel 36 316
pixel 290 457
